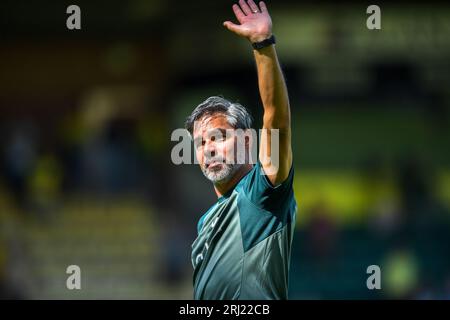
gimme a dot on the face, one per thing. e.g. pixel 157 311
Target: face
pixel 214 148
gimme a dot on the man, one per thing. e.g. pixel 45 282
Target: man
pixel 244 240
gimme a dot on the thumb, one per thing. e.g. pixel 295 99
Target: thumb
pixel 232 27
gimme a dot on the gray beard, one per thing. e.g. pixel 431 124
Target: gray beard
pixel 223 175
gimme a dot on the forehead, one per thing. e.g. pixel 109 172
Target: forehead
pixel 210 123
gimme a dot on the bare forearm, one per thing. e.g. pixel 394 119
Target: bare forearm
pixel 272 89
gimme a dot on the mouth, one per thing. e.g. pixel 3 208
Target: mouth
pixel 213 164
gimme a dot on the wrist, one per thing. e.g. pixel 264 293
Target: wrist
pixel 260 37
pixel 268 41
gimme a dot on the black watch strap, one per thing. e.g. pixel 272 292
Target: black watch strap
pixel 265 43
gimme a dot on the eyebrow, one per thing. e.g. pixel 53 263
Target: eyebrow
pixel 222 130
pixel 198 139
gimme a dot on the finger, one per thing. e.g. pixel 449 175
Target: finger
pixel 245 7
pixel 253 6
pixel 263 7
pixel 232 27
pixel 238 12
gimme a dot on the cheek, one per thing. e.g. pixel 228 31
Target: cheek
pixel 199 155
pixel 229 149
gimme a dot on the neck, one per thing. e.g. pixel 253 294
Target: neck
pixel 222 188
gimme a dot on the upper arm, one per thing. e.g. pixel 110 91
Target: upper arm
pixel 275 152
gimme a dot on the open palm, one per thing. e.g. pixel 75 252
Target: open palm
pixel 255 23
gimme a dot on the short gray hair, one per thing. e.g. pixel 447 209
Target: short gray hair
pixel 237 115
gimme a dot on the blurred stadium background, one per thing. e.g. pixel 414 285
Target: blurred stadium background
pixel 85 123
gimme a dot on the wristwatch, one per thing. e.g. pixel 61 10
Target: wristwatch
pixel 265 43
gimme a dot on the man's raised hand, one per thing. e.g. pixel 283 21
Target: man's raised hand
pixel 255 23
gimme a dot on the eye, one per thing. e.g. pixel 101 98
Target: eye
pixel 199 142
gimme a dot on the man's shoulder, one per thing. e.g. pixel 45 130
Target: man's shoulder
pixel 257 188
pixel 257 178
